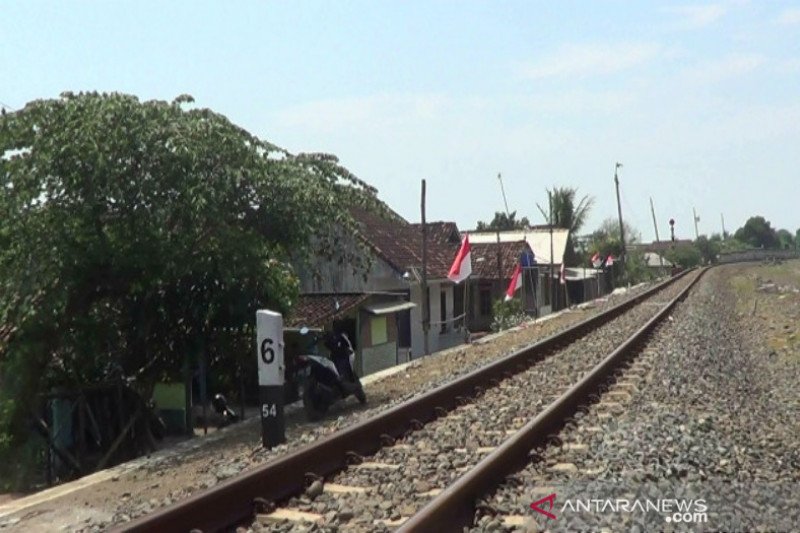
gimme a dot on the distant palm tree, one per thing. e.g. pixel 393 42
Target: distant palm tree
pixel 566 214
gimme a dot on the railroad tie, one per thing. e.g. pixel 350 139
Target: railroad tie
pixel 291 515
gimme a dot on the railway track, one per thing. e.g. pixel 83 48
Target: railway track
pixel 422 464
pixel 455 508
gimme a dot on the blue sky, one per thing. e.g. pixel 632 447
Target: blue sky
pixel 699 101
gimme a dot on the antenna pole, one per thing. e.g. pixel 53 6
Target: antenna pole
pixel 655 227
pixel 619 212
pixel 502 189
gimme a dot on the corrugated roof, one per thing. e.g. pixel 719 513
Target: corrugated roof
pixel 577 274
pixel 538 239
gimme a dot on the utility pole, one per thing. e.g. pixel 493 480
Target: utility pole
pixel 619 211
pixel 503 190
pixel 552 287
pixel 655 227
pixel 722 218
pixel 426 304
pixel 696 220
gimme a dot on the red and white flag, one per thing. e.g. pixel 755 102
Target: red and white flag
pixel 597 260
pixel 462 265
pixel 516 282
pixel 563 274
pixel 610 260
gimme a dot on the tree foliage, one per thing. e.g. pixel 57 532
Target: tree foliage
pixel 708 248
pixel 757 233
pixel 504 222
pixel 685 255
pixel 785 239
pixel 136 233
pixel 565 212
pixel 606 241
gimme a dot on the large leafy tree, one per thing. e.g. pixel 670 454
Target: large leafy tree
pixel 606 241
pixel 708 248
pixel 785 239
pixel 758 233
pixel 133 234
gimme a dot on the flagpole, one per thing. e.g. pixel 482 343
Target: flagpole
pixel 466 310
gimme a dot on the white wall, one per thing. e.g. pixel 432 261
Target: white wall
pixel 335 277
pixel 436 340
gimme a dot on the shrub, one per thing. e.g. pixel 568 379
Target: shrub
pixel 507 314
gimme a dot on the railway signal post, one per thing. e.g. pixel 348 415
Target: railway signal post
pixel 269 350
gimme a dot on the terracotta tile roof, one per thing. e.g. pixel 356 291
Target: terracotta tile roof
pixel 442 232
pixel 484 258
pixel 399 243
pixel 316 310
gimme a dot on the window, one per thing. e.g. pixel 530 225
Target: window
pixel 443 312
pixel 485 300
pixel 378 330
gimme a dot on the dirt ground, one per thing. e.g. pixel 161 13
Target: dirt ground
pixel 769 296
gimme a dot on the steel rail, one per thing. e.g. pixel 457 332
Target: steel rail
pixel 454 508
pixel 234 500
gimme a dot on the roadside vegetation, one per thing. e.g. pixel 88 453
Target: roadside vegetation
pixel 137 237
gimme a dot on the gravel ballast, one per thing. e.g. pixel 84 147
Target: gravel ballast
pixel 395 482
pixel 708 433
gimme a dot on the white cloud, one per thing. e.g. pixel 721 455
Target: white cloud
pixel 789 16
pixel 698 16
pixel 585 60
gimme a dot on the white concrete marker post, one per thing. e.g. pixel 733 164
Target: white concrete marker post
pixel 269 350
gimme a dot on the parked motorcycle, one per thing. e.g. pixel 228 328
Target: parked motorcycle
pixel 326 380
pixel 220 405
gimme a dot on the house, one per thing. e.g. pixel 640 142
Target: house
pixel 368 319
pixel 548 248
pixel 394 246
pixel 584 284
pixel 493 265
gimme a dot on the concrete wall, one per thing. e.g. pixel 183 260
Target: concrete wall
pixel 436 339
pixel 376 354
pixel 755 255
pixel 378 358
pixel 324 275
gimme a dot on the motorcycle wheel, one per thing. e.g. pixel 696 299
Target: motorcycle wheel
pixel 360 395
pixel 315 408
pixel 359 392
